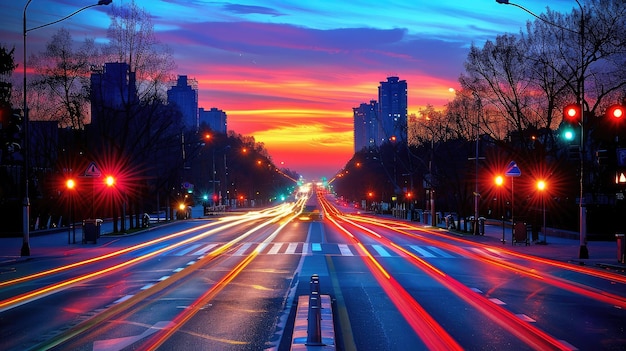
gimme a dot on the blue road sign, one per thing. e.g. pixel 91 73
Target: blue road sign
pixel 512 170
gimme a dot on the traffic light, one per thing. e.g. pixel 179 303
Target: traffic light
pixel 572 117
pixel 615 112
pixel 572 114
pixel 13 136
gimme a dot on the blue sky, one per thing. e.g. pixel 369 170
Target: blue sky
pixel 289 72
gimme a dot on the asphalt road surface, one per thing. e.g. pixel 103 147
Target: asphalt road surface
pixel 231 283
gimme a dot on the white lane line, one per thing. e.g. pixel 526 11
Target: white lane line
pixel 275 249
pixel 345 250
pixel 146 287
pixel 381 251
pixel 305 249
pixel 497 301
pixel 525 318
pixel 422 252
pixel 163 278
pixel 178 269
pixel 122 299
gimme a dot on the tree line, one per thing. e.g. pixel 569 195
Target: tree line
pixel 511 98
pixel 142 142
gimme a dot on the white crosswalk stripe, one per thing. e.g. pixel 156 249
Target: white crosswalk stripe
pixel 421 251
pixel 275 249
pixel 345 250
pixel 381 251
pixel 299 248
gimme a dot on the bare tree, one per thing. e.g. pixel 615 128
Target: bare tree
pixel 133 131
pixel 133 41
pixel 62 77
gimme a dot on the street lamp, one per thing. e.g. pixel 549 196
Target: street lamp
pixel 71 185
pixel 25 251
pixel 499 180
pixel 584 252
pixel 541 186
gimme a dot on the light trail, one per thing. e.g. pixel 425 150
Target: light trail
pixel 564 265
pixel 574 287
pixel 527 333
pixel 163 335
pixel 144 296
pixel 47 290
pixel 434 336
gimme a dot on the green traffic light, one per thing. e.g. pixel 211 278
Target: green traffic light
pixel 569 135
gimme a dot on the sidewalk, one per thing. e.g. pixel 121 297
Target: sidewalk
pixel 602 254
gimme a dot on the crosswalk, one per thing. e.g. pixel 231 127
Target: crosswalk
pixel 300 248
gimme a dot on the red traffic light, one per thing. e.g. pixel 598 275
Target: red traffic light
pixel 572 113
pixel 615 111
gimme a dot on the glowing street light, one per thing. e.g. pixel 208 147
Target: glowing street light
pixel 70 184
pixel 109 181
pixel 25 251
pixel 499 180
pixel 541 186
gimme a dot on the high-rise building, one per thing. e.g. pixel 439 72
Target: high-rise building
pixel 214 118
pixel 367 128
pixel 392 100
pixel 184 95
pixel 113 90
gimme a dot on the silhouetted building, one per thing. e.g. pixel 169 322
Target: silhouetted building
pixel 367 128
pixel 392 100
pixel 184 95
pixel 214 118
pixel 113 91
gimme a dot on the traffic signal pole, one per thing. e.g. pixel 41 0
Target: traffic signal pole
pixel 584 251
pixel 25 251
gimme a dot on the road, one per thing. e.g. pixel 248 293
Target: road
pixel 232 283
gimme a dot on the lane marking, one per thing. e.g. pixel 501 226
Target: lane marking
pixel 187 250
pixel 440 252
pixel 122 299
pixel 291 249
pixel 525 318
pixel 381 251
pixel 204 249
pixel 345 250
pixel 242 250
pixel 275 249
pixel 422 252
pixel 497 301
pixel 121 343
pixel 316 247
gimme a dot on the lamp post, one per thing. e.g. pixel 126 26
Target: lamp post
pixel 584 252
pixel 71 185
pixel 499 180
pixel 25 251
pixel 541 186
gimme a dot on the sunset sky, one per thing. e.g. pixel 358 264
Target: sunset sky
pixel 290 72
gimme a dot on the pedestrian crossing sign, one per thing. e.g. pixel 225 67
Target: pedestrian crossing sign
pixel 92 171
pixel 512 170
